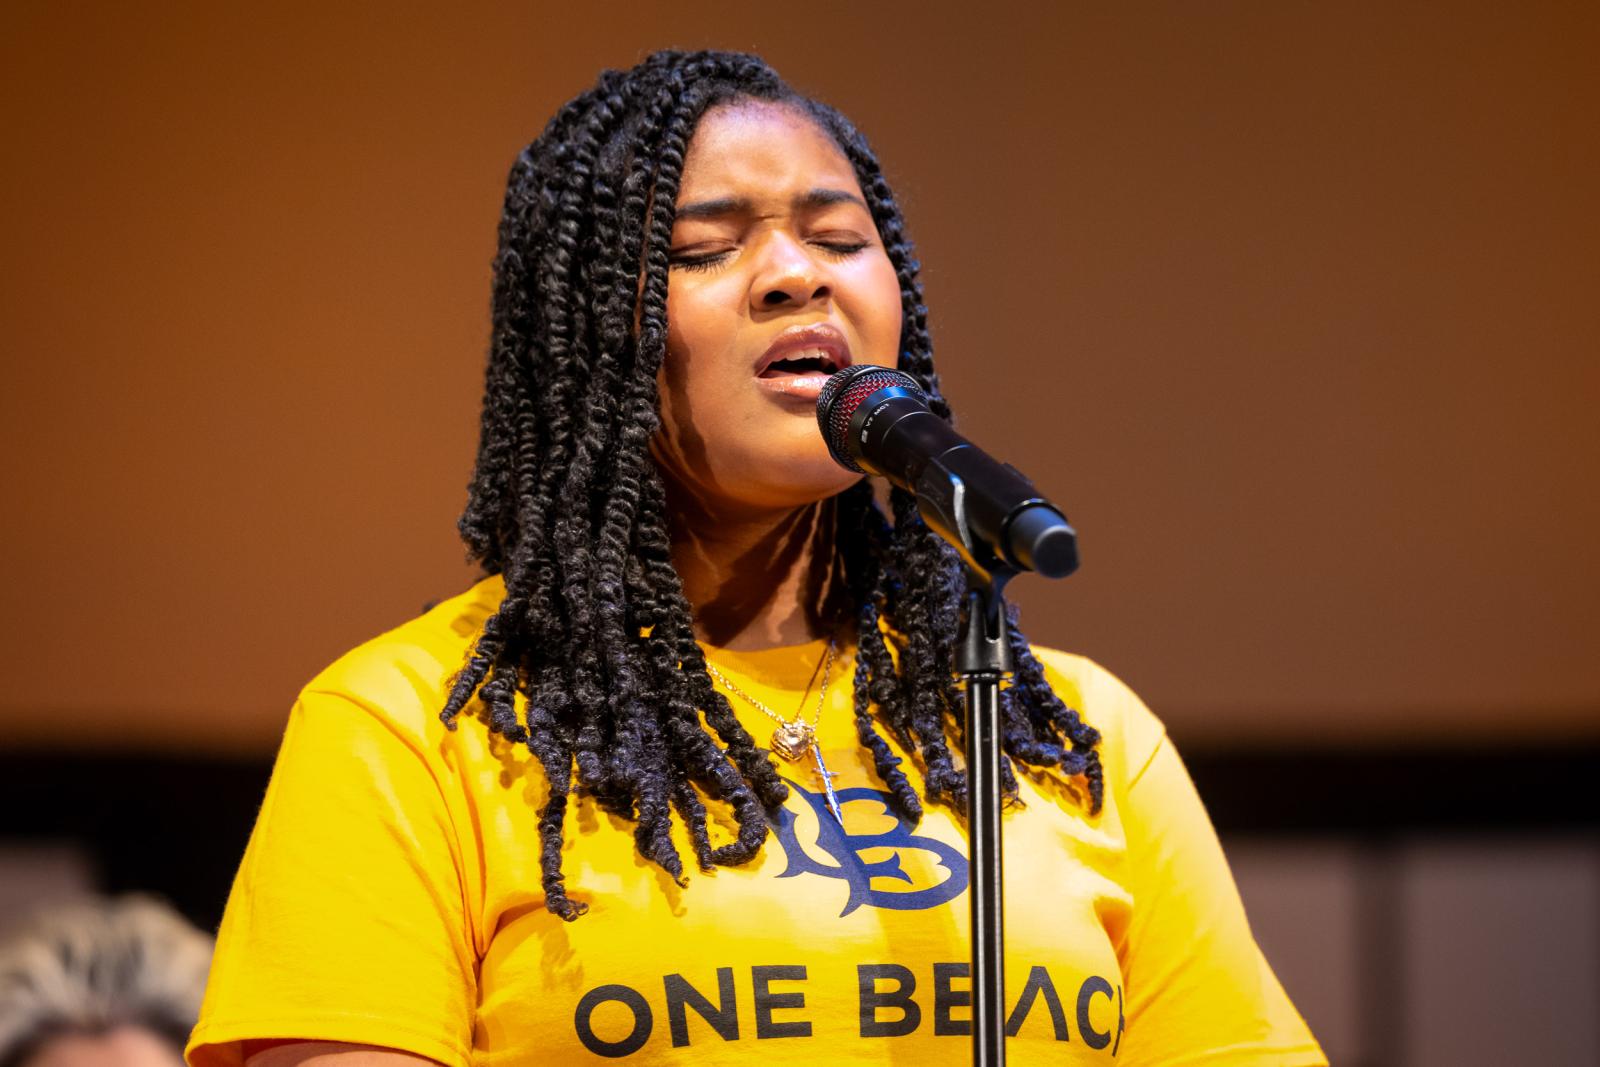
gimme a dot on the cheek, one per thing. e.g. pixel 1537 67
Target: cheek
pixel 894 314
pixel 674 377
pixel 697 330
pixel 880 313
pixel 690 385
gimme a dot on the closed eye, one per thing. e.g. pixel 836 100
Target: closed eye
pixel 841 249
pixel 696 260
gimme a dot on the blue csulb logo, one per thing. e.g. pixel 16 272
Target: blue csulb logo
pixel 845 850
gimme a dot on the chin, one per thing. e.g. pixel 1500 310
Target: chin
pixel 808 480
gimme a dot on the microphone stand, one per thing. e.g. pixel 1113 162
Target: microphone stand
pixel 994 518
pixel 983 658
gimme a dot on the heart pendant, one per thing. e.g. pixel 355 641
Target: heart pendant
pixel 793 740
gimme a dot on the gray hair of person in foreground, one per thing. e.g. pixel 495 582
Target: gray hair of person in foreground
pixel 91 967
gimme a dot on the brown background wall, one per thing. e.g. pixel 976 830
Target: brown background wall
pixel 1292 307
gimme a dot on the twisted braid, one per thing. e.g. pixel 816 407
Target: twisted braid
pixel 595 632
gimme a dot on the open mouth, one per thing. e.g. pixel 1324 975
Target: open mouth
pixel 814 361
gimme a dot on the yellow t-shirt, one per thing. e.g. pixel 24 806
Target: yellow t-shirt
pixel 390 895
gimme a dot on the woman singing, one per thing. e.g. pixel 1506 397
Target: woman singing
pixel 675 783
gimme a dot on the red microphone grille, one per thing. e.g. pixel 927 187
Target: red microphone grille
pixel 845 392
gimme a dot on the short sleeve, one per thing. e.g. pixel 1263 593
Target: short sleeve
pixel 347 920
pixel 1198 988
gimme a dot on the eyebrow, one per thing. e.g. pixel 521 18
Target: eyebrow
pixel 738 205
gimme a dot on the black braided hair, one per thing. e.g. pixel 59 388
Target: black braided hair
pixel 567 504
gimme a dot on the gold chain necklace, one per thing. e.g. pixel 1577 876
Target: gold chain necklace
pixel 795 737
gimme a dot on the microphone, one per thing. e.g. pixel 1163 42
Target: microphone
pixel 877 421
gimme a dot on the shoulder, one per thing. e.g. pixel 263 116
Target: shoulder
pixel 403 676
pixel 1130 733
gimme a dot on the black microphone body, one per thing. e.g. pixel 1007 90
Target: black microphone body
pixel 877 420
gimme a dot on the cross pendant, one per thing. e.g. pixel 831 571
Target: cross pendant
pixel 827 783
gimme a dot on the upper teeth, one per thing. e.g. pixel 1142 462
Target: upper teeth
pixel 810 353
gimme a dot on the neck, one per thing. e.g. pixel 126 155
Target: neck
pixel 758 579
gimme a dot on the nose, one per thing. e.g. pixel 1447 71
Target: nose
pixel 789 276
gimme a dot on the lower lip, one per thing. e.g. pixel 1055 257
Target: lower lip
pixel 806 387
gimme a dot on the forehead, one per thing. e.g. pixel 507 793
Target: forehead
pixel 759 149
